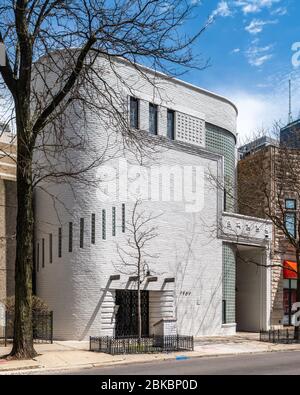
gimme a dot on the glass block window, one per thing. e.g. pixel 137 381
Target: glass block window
pixel 229 283
pixel 190 129
pixel 38 257
pixel 134 113
pixel 171 124
pixel 50 248
pixel 113 221
pixel 81 231
pixel 222 142
pixel 123 218
pixel 70 236
pixel 153 118
pixel 103 224
pixel 93 229
pixel 59 242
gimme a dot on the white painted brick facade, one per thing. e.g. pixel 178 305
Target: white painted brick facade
pixel 77 287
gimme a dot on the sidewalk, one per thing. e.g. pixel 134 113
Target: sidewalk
pixel 73 355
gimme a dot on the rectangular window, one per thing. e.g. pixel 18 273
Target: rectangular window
pixel 43 252
pixel 153 118
pixel 81 232
pixel 171 125
pixel 103 224
pixel 113 221
pixel 290 204
pixel 134 113
pixel 70 236
pixel 290 223
pixel 38 257
pixel 50 248
pixel 59 242
pixel 123 218
pixel 93 229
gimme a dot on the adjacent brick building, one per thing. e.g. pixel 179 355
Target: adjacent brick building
pixel 268 184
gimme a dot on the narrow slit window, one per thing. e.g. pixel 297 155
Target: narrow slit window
pixel 153 118
pixel 103 224
pixel 123 218
pixel 50 248
pixel 43 252
pixel 59 242
pixel 134 113
pixel 38 257
pixel 81 232
pixel 113 221
pixel 171 125
pixel 70 236
pixel 93 229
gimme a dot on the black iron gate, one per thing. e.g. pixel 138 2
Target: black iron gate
pixel 127 315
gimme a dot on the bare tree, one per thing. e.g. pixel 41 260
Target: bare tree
pixel 52 70
pixel 135 258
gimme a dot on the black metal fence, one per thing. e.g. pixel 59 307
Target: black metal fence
pixel 284 336
pixel 42 327
pixel 147 345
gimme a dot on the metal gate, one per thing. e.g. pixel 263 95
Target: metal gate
pixel 127 317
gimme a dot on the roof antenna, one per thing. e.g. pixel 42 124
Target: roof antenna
pixel 290 119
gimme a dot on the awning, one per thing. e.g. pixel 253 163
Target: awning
pixel 289 270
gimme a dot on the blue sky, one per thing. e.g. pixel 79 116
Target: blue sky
pixel 249 45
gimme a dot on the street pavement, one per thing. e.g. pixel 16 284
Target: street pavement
pixel 271 363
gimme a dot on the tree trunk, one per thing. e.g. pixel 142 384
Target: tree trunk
pixel 23 331
pixel 139 314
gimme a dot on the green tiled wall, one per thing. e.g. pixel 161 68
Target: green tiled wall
pixel 229 281
pixel 222 142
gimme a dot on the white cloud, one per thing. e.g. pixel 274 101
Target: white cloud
pixel 255 6
pixel 257 56
pixel 222 10
pixel 235 50
pixel 261 110
pixel 280 11
pixel 256 25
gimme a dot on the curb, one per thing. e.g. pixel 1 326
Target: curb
pixel 41 368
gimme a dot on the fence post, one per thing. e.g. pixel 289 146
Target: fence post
pixel 5 329
pixel 51 318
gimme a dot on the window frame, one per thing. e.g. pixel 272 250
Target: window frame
pixel 154 111
pixel 136 124
pixel 169 111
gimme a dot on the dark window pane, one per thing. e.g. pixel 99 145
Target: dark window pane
pixel 43 252
pixel 103 224
pixel 38 257
pixel 81 232
pixel 123 218
pixel 153 118
pixel 59 242
pixel 70 236
pixel 290 223
pixel 171 125
pixel 93 229
pixel 290 204
pixel 50 248
pixel 134 113
pixel 113 221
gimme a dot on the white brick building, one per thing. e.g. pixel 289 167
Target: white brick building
pixel 199 279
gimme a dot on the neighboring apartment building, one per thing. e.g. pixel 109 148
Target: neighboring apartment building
pixel 290 135
pixel 8 210
pixel 196 277
pixel 273 168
